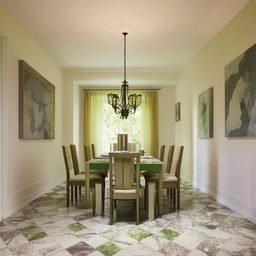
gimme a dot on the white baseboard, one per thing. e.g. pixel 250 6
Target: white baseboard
pixel 224 197
pixel 20 199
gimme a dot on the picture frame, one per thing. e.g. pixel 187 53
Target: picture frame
pixel 240 91
pixel 36 104
pixel 205 114
pixel 177 112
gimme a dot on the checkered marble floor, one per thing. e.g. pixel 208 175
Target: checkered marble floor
pixel 202 227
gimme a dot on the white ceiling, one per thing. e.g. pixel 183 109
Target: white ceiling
pixel 163 34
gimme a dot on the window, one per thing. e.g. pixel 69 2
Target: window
pixel 102 125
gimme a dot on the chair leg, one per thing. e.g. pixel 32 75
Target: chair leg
pixel 174 198
pixel 72 199
pixel 146 195
pixel 93 200
pixel 103 197
pixel 80 190
pixel 178 198
pixel 76 194
pixel 137 211
pixel 111 211
pixel 68 194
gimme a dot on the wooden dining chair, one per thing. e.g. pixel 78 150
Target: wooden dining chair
pixel 102 173
pixel 115 147
pixel 161 153
pixel 132 147
pixel 155 176
pixel 122 175
pixel 93 151
pixel 76 179
pixel 171 179
pixel 88 156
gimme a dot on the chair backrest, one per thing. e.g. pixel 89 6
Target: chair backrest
pixel 170 158
pixel 74 158
pixel 176 163
pixel 115 146
pixel 68 160
pixel 132 147
pixel 87 153
pixel 93 151
pixel 122 142
pixel 121 170
pixel 161 153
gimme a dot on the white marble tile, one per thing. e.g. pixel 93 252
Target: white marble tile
pixel 24 250
pixel 95 241
pixel 67 240
pixel 196 252
pixel 96 253
pixel 156 243
pixel 124 240
pixel 236 244
pixel 99 228
pixel 222 253
pixel 89 223
pixel 58 252
pixel 124 253
pixel 141 250
pixel 17 241
pixel 5 252
pixel 186 241
pixel 65 222
pixel 2 244
pixel 45 245
pixel 6 228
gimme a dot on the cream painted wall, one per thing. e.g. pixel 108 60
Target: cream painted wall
pixel 76 80
pixel 31 166
pixel 223 167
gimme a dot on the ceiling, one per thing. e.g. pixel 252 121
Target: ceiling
pixel 163 34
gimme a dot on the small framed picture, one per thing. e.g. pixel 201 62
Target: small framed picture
pixel 177 112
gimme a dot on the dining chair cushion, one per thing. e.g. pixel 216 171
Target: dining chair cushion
pixel 169 178
pixel 124 194
pixel 82 177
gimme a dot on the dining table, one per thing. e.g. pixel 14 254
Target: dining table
pixel 147 164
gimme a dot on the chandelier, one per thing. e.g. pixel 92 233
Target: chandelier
pixel 125 104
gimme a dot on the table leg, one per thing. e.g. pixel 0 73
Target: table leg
pixel 160 193
pixel 151 200
pixel 98 188
pixel 87 186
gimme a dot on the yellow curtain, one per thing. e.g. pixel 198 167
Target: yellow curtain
pixel 94 119
pixel 149 107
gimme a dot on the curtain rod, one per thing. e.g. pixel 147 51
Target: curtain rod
pixel 113 89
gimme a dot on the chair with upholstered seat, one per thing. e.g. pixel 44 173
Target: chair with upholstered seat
pixel 148 175
pixel 93 151
pixel 88 156
pixel 76 179
pixel 132 147
pixel 171 180
pixel 122 175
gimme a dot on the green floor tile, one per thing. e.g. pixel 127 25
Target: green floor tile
pixel 75 227
pixel 139 234
pixel 169 234
pixel 34 234
pixel 108 248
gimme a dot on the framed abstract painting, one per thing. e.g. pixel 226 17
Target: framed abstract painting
pixel 205 114
pixel 240 95
pixel 36 104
